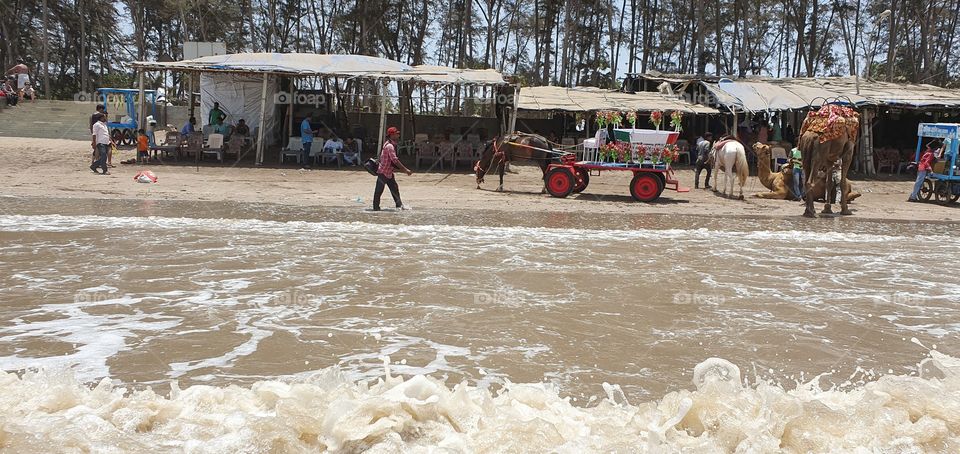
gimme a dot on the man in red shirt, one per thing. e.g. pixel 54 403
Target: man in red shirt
pixel 924 167
pixel 389 161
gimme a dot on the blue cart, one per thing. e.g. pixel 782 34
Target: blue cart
pixel 944 182
pixel 125 133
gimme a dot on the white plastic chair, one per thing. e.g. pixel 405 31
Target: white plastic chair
pixel 294 148
pixel 779 157
pixel 214 146
pixel 590 149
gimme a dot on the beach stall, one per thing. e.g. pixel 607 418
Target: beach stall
pixel 258 83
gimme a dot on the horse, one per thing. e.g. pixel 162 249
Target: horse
pixel 529 147
pixel 732 157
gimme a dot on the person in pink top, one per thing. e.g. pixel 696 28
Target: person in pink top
pixel 924 166
pixel 388 162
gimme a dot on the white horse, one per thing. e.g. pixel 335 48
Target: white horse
pixel 732 157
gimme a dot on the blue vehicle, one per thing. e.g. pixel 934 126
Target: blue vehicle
pixel 944 181
pixel 125 132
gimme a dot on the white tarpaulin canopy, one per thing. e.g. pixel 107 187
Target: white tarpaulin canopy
pixel 239 96
pixel 346 66
pixel 588 99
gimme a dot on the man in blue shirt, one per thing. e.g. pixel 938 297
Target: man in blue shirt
pixel 306 137
pixel 188 127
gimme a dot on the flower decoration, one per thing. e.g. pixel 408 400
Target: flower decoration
pixel 632 118
pixel 656 118
pixel 676 120
pixel 669 153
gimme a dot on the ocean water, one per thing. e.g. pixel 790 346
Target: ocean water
pixel 132 327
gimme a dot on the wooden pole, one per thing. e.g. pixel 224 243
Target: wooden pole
pixel 513 113
pixel 290 107
pixel 383 115
pixel 263 111
pixel 141 103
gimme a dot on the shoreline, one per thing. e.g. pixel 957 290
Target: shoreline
pixel 54 169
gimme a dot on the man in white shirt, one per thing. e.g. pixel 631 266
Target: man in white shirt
pixel 101 143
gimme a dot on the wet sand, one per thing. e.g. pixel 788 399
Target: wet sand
pixel 59 168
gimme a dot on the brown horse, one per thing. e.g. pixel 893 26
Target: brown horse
pixel 529 147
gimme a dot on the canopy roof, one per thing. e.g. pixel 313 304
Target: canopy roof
pixel 585 99
pixel 327 65
pixel 762 94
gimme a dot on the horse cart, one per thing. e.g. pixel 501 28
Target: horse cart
pixel 649 178
pixel 944 182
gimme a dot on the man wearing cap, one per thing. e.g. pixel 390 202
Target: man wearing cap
pixel 389 161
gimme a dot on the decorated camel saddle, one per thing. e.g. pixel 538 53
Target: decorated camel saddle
pixel 723 141
pixel 832 121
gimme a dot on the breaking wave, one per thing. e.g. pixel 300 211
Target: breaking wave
pixel 51 412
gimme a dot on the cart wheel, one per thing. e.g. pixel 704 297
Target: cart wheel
pixel 128 138
pixel 117 136
pixel 560 182
pixel 926 191
pixel 645 187
pixel 942 192
pixel 584 175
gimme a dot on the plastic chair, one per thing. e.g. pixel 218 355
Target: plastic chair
pixel 214 147
pixel 294 148
pixel 888 158
pixel 778 156
pixel 426 151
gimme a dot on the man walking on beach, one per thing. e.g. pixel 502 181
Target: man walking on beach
pixel 101 143
pixel 703 160
pixel 389 161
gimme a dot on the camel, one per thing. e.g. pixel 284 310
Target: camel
pixel 780 182
pixel 828 136
pixel 730 155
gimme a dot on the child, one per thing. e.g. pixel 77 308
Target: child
pixel 143 146
pixel 29 92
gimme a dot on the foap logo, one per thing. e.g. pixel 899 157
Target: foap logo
pixel 500 297
pixel 291 299
pixel 82 97
pixel 91 297
pixel 699 298
pixel 299 99
pixel 500 98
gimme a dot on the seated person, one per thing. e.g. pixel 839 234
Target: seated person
pixel 189 127
pixel 350 151
pixel 333 145
pixel 29 92
pixel 242 129
pixel 224 129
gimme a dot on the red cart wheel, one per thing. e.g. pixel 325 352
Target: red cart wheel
pixel 584 176
pixel 645 187
pixel 560 182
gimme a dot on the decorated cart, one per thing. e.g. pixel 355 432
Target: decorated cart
pixel 647 153
pixel 944 181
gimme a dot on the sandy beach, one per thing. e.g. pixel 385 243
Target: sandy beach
pixel 59 168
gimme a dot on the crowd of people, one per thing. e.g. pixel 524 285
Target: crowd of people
pixel 16 85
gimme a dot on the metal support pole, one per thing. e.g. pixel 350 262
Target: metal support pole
pixel 263 112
